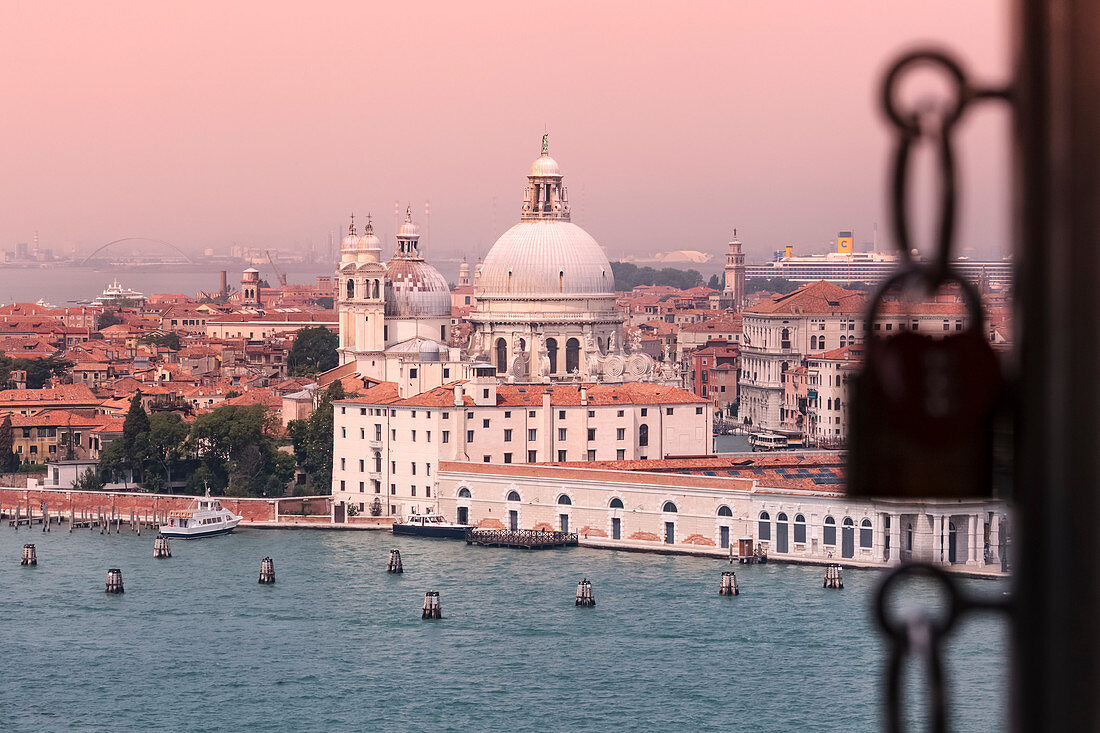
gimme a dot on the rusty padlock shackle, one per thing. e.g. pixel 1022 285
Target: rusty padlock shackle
pixel 936 123
pixel 933 279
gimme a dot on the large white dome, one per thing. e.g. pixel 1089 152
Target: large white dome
pixel 546 258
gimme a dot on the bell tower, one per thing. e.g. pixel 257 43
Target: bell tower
pixel 734 273
pixel 250 288
pixel 361 301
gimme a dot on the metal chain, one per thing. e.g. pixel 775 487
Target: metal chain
pixel 934 124
pixel 920 633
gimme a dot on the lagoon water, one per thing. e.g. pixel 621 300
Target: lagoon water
pixel 196 644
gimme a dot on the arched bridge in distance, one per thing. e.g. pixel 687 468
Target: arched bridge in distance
pixel 160 242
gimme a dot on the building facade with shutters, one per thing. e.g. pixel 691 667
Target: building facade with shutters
pixel 388 447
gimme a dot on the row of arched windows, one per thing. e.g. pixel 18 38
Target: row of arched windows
pixel 572 354
pixel 615 503
pixel 371 288
pixel 828 534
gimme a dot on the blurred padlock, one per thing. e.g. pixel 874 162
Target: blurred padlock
pixel 922 408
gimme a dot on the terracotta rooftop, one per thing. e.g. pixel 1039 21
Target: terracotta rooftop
pixel 530 395
pixel 820 297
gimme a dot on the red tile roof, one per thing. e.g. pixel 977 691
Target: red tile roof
pixel 511 395
pixel 820 297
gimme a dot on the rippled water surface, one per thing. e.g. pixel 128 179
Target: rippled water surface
pixel 197 644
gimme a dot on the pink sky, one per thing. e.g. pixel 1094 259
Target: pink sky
pixel 265 124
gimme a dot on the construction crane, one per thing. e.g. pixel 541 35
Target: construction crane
pixel 281 276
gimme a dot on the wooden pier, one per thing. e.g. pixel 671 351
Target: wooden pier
pixel 105 518
pixel 527 539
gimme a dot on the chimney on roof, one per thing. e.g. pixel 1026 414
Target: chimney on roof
pixel 458 395
pixel 584 395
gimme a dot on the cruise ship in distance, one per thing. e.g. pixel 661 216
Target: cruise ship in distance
pixel 846 266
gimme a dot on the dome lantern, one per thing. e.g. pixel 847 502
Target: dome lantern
pixel 546 198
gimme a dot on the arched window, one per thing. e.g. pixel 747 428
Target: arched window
pixel 829 535
pixel 781 545
pixel 564 499
pixel 669 507
pixel 836 404
pixel 374 291
pixel 464 493
pixel 800 529
pixel 813 343
pixel 616 503
pixel 830 403
pixel 572 355
pixel 865 533
pixel 643 434
pixel 513 496
pixel 725 511
pixel 502 356
pixel 764 529
pixel 552 352
pixel 378 462
pixel 843 342
pixel 351 288
pixel 785 339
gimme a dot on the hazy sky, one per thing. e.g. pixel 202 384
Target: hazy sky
pixel 266 124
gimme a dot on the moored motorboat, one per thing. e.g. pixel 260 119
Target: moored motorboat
pixel 430 525
pixel 206 517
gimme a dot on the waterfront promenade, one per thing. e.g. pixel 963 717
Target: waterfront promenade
pixel 315 513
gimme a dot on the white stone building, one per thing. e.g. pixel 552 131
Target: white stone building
pixel 546 296
pixel 805 519
pixel 389 447
pixel 395 317
pixel 819 317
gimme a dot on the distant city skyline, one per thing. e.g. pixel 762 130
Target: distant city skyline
pixel 251 125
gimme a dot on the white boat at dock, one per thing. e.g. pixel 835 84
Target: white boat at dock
pixel 206 517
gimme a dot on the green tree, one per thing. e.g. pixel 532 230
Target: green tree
pixel 9 462
pixel 778 285
pixel 107 319
pixel 237 453
pixel 135 437
pixel 40 371
pixel 166 445
pixel 629 276
pixel 312 440
pixel 6 365
pixel 169 340
pixel 714 283
pixel 89 480
pixel 314 351
pixel 223 433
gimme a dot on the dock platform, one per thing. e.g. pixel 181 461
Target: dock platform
pixel 527 539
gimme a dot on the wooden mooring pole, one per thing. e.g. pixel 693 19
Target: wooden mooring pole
pixel 30 558
pixel 395 562
pixel 729 584
pixel 585 598
pixel 114 581
pixel 432 606
pixel 832 577
pixel 267 571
